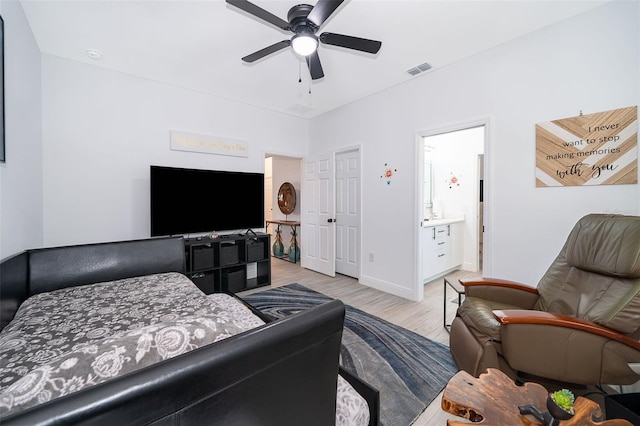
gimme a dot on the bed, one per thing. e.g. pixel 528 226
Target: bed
pixel 115 333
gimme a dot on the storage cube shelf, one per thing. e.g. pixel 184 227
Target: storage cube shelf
pixel 220 264
pixel 229 254
pixel 234 280
pixel 202 257
pixel 255 250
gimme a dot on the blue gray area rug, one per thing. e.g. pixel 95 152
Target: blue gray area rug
pixel 408 369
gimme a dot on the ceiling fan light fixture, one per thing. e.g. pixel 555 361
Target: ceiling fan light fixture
pixel 304 21
pixel 304 43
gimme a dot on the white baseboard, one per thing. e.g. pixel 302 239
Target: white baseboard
pixel 387 287
pixel 468 266
pixel 440 275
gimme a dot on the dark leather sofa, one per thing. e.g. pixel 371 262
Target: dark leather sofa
pixel 282 373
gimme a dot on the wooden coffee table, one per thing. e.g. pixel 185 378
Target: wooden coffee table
pixel 493 399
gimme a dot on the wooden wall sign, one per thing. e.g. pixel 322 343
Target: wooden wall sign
pixel 593 149
pixel 183 141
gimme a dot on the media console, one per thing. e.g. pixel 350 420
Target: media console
pixel 229 263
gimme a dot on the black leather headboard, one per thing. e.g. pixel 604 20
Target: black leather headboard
pixel 40 270
pixel 60 267
pixel 14 288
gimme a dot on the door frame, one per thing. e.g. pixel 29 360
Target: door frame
pixel 419 196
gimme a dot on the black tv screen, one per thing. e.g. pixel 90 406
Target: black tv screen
pixel 185 201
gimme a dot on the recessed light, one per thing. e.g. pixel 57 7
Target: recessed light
pixel 94 54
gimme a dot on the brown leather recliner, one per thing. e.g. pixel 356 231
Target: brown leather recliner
pixel 580 325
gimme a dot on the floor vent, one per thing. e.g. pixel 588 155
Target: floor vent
pixel 419 69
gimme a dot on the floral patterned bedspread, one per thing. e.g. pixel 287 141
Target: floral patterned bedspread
pixel 65 340
pixel 68 339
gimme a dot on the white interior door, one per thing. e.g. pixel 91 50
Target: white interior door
pixel 318 209
pixel 347 217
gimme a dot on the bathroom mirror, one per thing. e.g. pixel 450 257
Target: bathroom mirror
pixel 428 184
pixel 287 198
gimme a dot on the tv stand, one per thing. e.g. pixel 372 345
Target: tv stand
pixel 250 231
pixel 232 263
pixel 294 225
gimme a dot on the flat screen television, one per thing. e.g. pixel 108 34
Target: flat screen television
pixel 186 201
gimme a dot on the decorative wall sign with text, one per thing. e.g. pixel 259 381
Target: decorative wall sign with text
pixel 593 149
pixel 182 141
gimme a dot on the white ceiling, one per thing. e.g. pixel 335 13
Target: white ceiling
pixel 198 44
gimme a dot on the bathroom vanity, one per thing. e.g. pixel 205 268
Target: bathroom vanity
pixel 441 247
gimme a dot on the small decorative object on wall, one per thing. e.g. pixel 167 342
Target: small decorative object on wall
pixel 388 173
pixel 182 141
pixel 454 180
pixel 593 149
pixel 2 152
pixel 287 198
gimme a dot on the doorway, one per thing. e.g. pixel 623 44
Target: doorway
pixel 278 170
pixel 456 186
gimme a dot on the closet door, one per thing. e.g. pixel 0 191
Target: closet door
pixel 318 214
pixel 347 223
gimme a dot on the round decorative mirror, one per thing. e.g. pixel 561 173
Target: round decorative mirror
pixel 287 198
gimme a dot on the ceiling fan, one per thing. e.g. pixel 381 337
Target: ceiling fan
pixel 304 21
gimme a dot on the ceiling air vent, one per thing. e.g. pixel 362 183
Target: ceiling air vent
pixel 419 69
pixel 300 108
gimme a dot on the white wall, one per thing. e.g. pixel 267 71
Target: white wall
pixel 102 130
pixel 589 63
pixel 21 214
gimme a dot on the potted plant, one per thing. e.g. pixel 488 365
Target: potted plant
pixel 560 404
pixel 559 407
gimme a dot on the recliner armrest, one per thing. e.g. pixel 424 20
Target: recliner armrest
pixel 565 348
pixel 512 316
pixel 503 291
pixel 496 282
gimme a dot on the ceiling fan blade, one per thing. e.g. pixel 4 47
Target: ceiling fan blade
pixel 322 10
pixel 260 13
pixel 267 51
pixel 315 68
pixel 350 42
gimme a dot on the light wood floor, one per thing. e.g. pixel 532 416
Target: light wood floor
pixel 424 317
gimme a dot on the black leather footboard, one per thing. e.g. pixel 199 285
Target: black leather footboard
pixel 283 373
pixel 368 392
